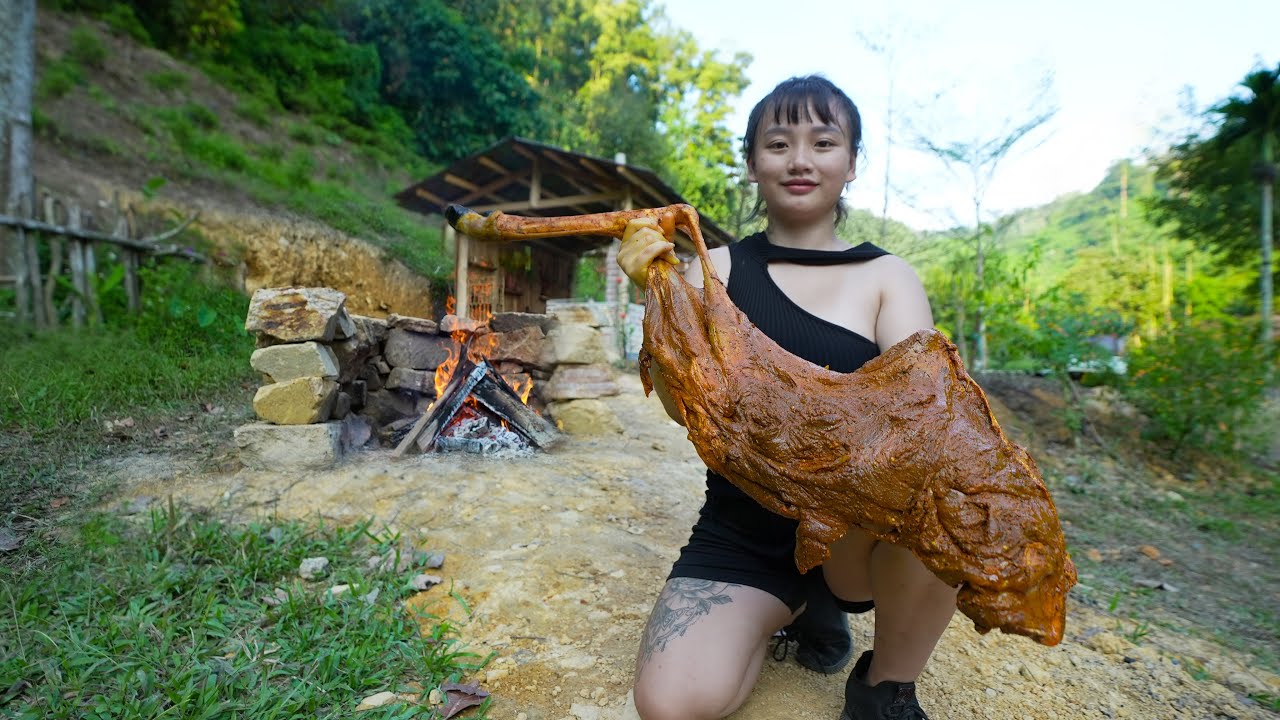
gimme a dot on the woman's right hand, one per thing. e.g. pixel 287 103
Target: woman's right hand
pixel 642 244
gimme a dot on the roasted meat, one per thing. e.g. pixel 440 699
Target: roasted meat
pixel 905 448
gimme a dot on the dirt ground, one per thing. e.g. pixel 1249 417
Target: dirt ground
pixel 560 556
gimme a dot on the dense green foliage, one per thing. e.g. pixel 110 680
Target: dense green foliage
pixel 449 77
pixel 1103 267
pixel 185 616
pixel 1231 371
pixel 184 350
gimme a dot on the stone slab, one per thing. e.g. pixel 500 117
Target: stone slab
pixel 264 446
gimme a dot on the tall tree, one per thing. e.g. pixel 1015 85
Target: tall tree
pixel 976 161
pixel 1254 120
pixel 1221 182
pixel 17 79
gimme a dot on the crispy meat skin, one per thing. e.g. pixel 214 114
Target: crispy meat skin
pixel 905 448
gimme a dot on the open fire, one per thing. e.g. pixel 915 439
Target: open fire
pixel 476 408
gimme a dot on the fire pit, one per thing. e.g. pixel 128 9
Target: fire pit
pixel 479 412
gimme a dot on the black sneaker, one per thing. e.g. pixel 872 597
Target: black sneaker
pixel 888 700
pixel 821 633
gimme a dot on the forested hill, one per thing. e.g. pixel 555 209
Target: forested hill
pixel 445 78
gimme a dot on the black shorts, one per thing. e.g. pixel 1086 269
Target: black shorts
pixel 736 540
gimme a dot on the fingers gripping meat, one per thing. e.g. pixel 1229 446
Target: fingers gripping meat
pixel 905 448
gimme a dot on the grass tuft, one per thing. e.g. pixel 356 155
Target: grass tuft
pixel 185 616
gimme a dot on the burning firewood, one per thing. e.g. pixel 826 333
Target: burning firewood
pixel 905 448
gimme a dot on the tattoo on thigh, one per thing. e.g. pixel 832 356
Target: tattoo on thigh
pixel 682 602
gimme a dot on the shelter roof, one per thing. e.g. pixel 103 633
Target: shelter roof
pixel 523 177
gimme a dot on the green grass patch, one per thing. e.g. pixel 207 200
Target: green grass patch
pixel 254 110
pixel 167 81
pixel 187 346
pixel 304 133
pixel 86 48
pixel 184 616
pixel 58 78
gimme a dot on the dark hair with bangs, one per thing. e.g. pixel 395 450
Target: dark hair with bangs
pixel 790 102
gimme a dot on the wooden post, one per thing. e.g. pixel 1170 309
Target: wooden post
pixel 56 244
pixel 535 184
pixel 92 305
pixel 121 230
pixel 31 252
pixel 615 290
pixel 78 282
pixel 132 291
pixel 462 262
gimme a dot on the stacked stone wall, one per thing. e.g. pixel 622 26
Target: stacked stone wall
pixel 333 382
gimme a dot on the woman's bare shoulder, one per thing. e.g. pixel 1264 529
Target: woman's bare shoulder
pixel 719 259
pixel 894 271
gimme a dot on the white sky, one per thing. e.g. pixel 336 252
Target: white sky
pixel 1120 72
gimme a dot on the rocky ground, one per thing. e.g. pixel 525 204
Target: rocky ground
pixel 559 557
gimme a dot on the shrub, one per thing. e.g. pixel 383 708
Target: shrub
pixel 1199 385
pixel 201 116
pixel 121 18
pixel 86 48
pixel 58 79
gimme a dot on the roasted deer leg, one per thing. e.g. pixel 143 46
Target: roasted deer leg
pixel 906 448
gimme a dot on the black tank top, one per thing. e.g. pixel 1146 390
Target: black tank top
pixel 796 330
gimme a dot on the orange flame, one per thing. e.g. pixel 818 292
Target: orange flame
pixel 479 346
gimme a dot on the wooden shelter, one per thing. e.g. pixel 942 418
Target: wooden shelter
pixel 523 177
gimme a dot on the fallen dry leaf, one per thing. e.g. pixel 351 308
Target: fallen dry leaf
pixel 1094 555
pixel 1150 551
pixel 460 697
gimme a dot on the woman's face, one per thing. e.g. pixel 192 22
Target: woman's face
pixel 801 168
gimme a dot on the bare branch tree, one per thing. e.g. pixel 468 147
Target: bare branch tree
pixel 975 161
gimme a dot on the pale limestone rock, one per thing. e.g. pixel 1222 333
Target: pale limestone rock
pixel 453 323
pixel 300 401
pixel 413 324
pixel 574 344
pixel 295 360
pixel 298 314
pixel 571 382
pixel 377 700
pixel 584 417
pixel 264 446
pixel 520 345
pixel 595 314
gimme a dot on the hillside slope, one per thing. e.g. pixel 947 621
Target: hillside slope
pixel 286 202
